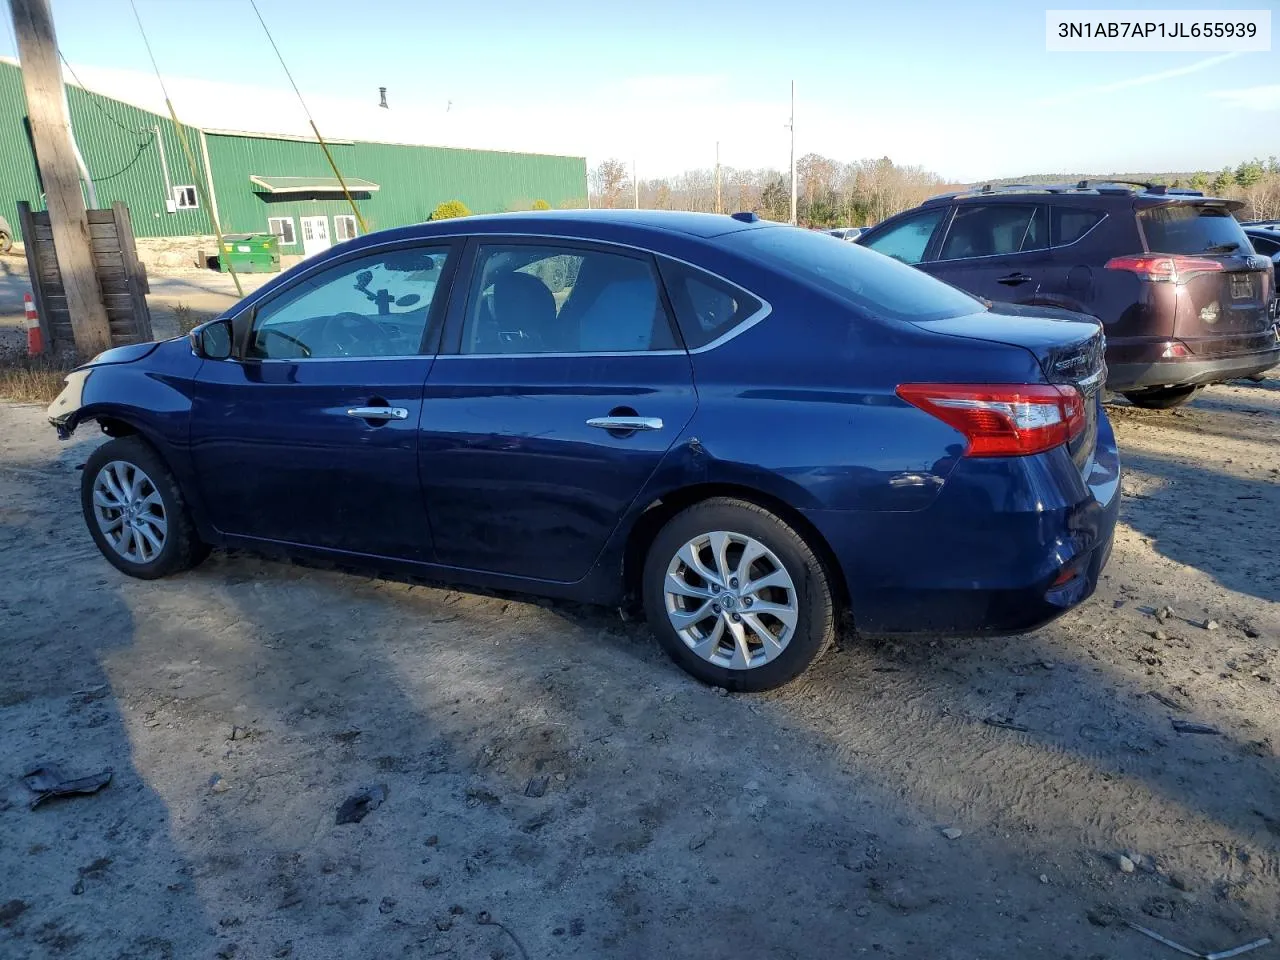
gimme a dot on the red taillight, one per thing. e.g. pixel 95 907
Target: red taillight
pixel 1172 269
pixel 1003 420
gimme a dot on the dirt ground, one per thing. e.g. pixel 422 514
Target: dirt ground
pixel 240 704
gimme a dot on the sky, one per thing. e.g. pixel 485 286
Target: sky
pixel 966 91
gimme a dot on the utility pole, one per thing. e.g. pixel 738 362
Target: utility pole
pixel 792 127
pixel 719 205
pixel 56 157
pixel 635 184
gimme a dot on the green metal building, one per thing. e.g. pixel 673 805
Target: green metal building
pixel 260 182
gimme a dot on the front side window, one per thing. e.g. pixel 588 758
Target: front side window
pixel 546 299
pixel 908 239
pixel 283 229
pixel 996 229
pixel 371 306
pixel 344 227
pixel 706 307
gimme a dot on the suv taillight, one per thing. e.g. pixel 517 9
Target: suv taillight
pixel 1172 269
pixel 1003 420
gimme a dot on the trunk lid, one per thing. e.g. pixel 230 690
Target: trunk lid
pixel 1068 346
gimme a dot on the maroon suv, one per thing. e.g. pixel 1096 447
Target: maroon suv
pixel 1184 299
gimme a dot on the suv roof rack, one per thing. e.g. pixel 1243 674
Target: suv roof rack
pixel 1102 186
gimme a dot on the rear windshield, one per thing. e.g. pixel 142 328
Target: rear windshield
pixel 870 281
pixel 1192 228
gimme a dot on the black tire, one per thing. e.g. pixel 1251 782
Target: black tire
pixel 180 548
pixel 1161 398
pixel 814 597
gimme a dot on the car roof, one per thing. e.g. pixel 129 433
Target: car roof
pixel 588 224
pixel 1090 190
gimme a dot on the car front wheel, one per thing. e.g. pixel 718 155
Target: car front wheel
pixel 135 511
pixel 737 597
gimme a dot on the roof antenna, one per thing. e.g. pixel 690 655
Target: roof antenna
pixel 382 93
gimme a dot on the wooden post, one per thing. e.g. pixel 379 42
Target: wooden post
pixel 50 126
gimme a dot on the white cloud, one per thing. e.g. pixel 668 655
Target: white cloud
pixel 1250 98
pixel 1140 81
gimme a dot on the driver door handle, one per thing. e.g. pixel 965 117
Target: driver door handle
pixel 378 413
pixel 626 423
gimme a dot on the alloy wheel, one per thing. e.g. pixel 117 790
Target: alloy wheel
pixel 129 511
pixel 731 600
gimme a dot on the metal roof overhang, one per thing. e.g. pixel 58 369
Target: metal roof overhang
pixel 310 184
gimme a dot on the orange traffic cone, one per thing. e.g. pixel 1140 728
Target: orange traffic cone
pixel 35 340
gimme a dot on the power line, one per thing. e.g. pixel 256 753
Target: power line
pixel 364 227
pixel 94 100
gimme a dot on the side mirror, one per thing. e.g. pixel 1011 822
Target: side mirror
pixel 212 340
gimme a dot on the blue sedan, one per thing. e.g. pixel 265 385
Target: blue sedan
pixel 751 429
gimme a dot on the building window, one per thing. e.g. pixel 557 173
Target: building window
pixel 282 227
pixel 186 198
pixel 344 227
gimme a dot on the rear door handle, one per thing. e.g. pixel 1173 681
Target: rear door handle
pixel 625 423
pixel 378 413
pixel 1013 279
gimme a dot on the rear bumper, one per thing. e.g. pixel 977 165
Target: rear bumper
pixel 1008 545
pixel 1192 371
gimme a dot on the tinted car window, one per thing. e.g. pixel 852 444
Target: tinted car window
pixel 987 230
pixel 545 299
pixel 1191 228
pixel 1069 224
pixel 706 307
pixel 863 278
pixel 908 239
pixel 1264 245
pixel 371 306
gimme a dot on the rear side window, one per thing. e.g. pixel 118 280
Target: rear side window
pixel 706 307
pixel 876 284
pixel 996 229
pixel 1069 224
pixel 908 239
pixel 1191 228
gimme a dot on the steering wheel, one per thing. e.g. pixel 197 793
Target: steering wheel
pixel 264 332
pixel 350 333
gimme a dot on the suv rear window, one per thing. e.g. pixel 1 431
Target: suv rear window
pixel 1191 228
pixel 1069 224
pixel 867 280
pixel 706 307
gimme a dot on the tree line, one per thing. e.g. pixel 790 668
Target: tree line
pixel 832 193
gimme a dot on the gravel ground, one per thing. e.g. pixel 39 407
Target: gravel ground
pixel 556 788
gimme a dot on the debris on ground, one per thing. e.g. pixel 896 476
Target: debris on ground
pixel 1187 951
pixel 953 833
pixel 484 918
pixel 355 808
pixel 218 784
pixel 1187 726
pixel 536 786
pixel 1210 624
pixel 1126 864
pixel 1004 723
pixel 50 781
pixel 1164 613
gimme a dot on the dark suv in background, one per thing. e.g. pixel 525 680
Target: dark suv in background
pixel 1183 297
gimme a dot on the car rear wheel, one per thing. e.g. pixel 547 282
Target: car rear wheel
pixel 1161 398
pixel 737 597
pixel 135 511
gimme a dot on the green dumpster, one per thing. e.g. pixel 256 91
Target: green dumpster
pixel 249 253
